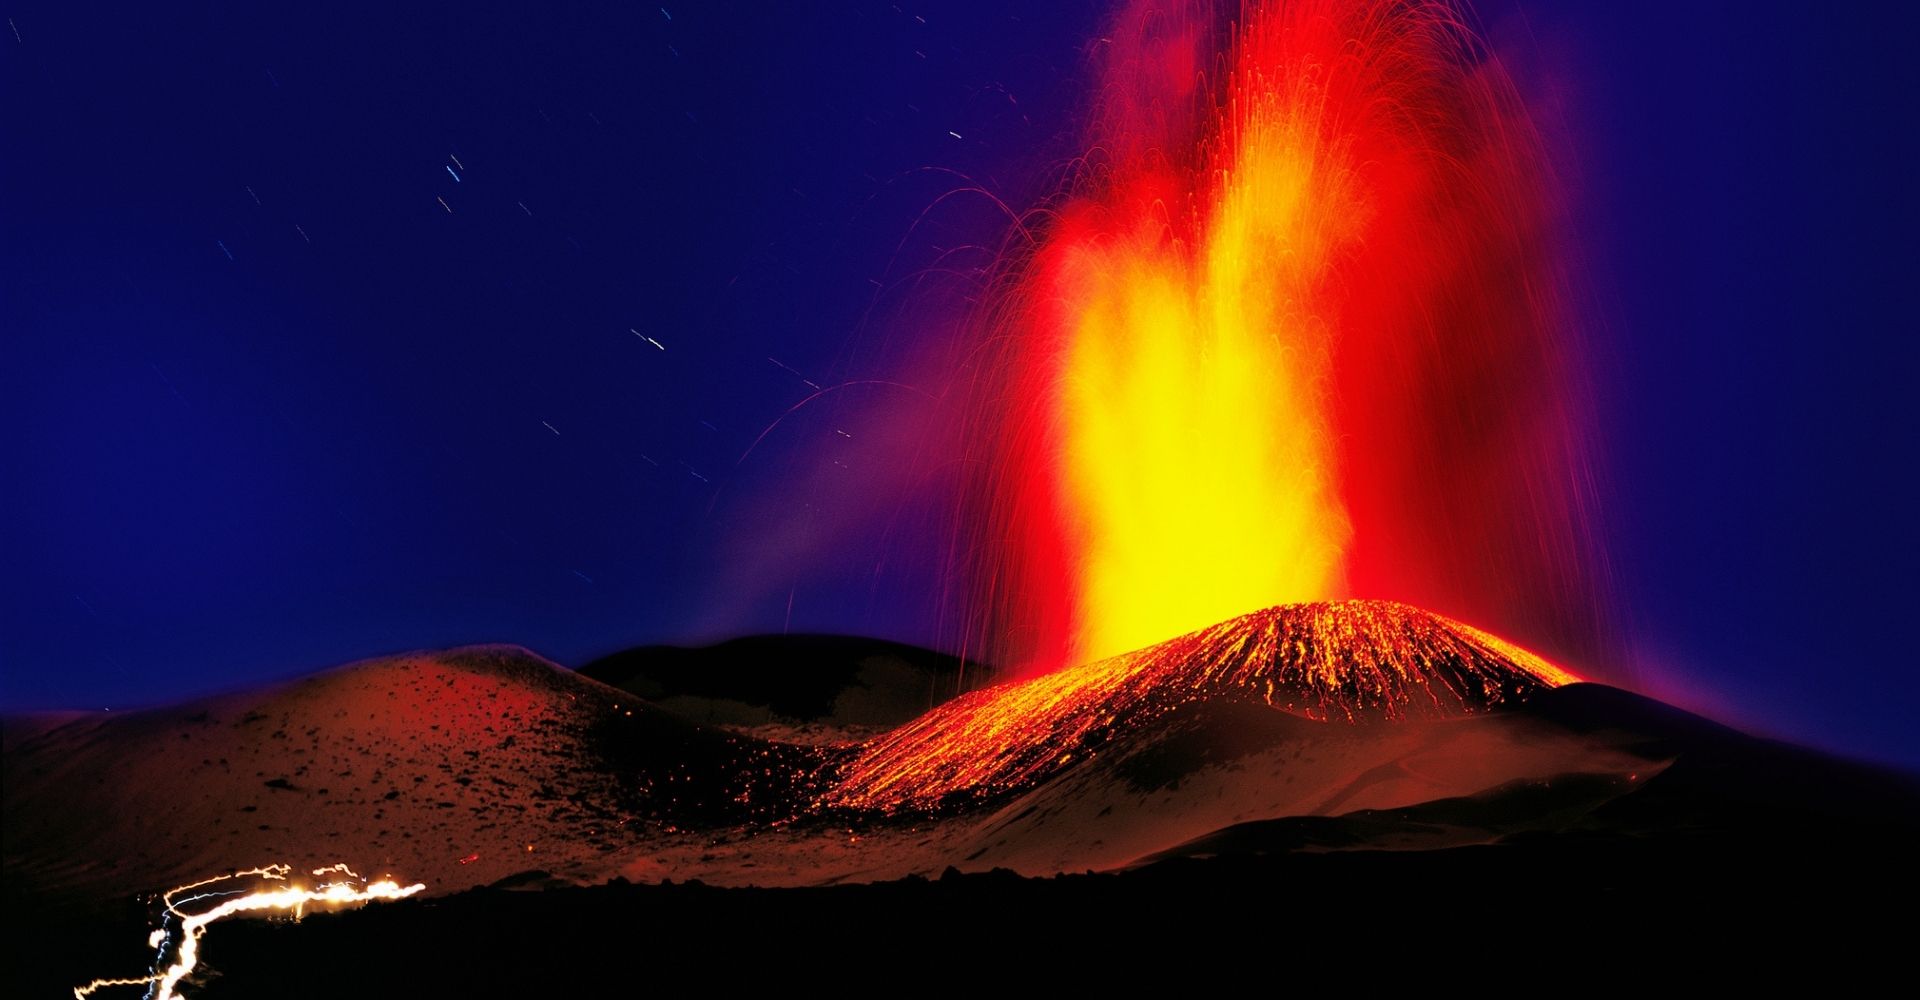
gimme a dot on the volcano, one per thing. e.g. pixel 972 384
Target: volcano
pixel 1365 729
pixel 1351 661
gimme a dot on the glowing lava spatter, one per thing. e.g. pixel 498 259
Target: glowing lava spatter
pixel 1346 661
pixel 1295 333
pixel 347 889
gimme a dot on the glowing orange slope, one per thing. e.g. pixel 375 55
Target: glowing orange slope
pixel 1347 661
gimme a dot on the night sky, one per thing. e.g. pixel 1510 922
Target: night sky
pixel 329 332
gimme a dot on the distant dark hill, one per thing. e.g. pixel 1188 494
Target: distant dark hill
pixel 826 682
pixel 1729 782
pixel 1706 784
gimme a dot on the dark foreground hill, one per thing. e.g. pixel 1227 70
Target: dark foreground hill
pixel 1786 896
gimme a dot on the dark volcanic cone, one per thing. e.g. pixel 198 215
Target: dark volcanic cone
pixel 1348 661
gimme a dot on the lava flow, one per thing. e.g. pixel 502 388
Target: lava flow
pixel 1294 333
pixel 345 889
pixel 1347 661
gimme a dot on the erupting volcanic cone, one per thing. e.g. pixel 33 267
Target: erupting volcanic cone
pixel 1349 661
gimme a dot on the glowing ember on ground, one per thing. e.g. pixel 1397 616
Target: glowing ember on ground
pixel 340 887
pixel 1347 662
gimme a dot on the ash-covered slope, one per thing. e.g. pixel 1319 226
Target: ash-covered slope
pixel 1348 661
pixel 454 768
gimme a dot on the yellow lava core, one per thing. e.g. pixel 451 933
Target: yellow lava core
pixel 1197 459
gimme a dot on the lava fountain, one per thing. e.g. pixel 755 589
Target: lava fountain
pixel 1293 333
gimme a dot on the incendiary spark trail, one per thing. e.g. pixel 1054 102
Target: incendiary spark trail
pixel 1295 332
pixel 343 887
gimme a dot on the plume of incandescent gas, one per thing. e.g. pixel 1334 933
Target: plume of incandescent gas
pixel 1294 330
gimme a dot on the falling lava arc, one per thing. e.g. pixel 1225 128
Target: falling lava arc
pixel 1346 662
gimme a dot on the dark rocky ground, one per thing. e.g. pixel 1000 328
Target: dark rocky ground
pixel 1586 908
pixel 1738 859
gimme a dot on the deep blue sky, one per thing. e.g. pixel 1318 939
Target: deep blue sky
pixel 269 405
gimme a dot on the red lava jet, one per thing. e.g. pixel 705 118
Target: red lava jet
pixel 1295 329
